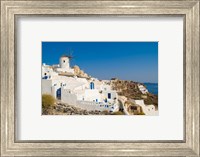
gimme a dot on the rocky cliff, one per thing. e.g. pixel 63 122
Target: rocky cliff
pixel 130 90
pixel 66 109
pixel 80 73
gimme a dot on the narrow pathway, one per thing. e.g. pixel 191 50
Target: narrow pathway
pixel 122 108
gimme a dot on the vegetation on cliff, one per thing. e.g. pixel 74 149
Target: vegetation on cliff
pixel 66 109
pixel 48 103
pixel 130 90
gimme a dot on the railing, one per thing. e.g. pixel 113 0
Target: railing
pixel 87 102
pixel 100 105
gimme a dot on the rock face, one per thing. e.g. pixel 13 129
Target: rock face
pixel 133 109
pixel 130 90
pixel 76 70
pixel 79 72
pixel 65 109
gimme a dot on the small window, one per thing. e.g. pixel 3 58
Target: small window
pixel 109 95
pixel 64 61
pixel 45 74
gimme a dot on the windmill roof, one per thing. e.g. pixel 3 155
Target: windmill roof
pixel 68 56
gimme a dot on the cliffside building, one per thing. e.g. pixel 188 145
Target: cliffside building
pixel 61 82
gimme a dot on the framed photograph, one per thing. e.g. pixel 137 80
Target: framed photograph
pixel 100 78
pixel 125 82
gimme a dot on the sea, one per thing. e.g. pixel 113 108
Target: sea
pixel 152 87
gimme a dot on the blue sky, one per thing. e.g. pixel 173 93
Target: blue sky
pixel 137 61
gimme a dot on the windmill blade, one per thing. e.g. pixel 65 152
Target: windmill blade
pixel 68 53
pixel 73 57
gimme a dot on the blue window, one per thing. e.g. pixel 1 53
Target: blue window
pixel 105 100
pixel 109 95
pixel 91 85
pixel 45 77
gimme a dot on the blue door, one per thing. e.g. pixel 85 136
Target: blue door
pixel 58 93
pixel 109 95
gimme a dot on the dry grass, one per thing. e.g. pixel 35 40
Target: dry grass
pixel 48 102
pixel 118 113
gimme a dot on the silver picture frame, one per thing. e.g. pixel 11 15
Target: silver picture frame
pixel 12 9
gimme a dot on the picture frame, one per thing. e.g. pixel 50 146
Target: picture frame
pixel 10 10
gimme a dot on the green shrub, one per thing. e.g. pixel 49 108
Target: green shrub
pixel 47 101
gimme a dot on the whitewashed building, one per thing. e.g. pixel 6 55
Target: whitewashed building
pixel 65 65
pixel 142 89
pixel 86 93
pixel 149 110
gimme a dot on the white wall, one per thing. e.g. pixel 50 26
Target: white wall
pixel 46 86
pixel 91 95
pixel 147 109
pixel 67 97
pixel 49 88
pixel 113 94
pixel 70 98
pixel 81 87
pixel 48 71
pixel 84 80
pixel 105 87
pixel 69 70
pixel 54 90
pixel 92 106
pixel 64 62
